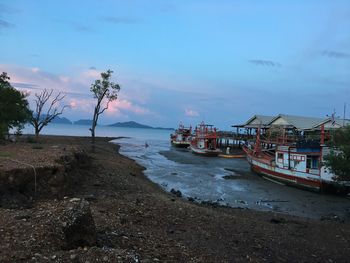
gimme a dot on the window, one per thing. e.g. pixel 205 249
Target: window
pixel 280 156
pixel 312 162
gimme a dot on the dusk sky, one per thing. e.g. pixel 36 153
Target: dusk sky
pixel 217 61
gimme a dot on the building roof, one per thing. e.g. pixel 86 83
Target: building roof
pixel 255 121
pixel 292 121
pixel 297 122
pixel 330 124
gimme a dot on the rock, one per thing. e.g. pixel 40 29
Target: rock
pixel 176 192
pixel 191 199
pixel 22 216
pixel 90 198
pixel 77 224
pixel 277 220
pixel 74 199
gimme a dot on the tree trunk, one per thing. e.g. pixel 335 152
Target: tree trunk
pixel 94 123
pixel 37 131
pixel 93 133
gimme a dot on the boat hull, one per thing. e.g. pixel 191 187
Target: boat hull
pixel 205 152
pixel 180 144
pixel 291 180
pixel 307 181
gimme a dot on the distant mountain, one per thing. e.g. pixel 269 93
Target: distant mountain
pixel 133 124
pixel 60 120
pixel 130 124
pixel 56 120
pixel 83 122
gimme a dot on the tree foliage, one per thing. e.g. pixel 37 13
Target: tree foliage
pixel 339 158
pixel 14 111
pixel 40 118
pixel 104 91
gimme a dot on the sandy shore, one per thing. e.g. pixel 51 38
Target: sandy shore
pixel 136 221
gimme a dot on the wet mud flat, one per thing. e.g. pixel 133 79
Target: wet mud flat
pixel 132 219
pixel 230 182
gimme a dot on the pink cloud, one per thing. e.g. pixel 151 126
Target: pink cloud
pixel 91 74
pixel 126 105
pixel 77 89
pixel 82 105
pixel 191 113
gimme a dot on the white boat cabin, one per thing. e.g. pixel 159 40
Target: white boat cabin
pixel 304 160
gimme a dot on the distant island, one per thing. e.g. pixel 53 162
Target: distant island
pixel 133 124
pixel 83 122
pixel 127 124
pixel 58 120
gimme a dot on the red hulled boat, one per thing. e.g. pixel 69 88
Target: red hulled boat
pixel 294 161
pixel 204 141
pixel 181 137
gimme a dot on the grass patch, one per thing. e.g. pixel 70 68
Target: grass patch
pixel 31 140
pixel 37 147
pixel 5 154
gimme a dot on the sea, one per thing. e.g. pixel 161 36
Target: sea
pixel 222 181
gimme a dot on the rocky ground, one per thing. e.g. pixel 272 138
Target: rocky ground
pixel 94 205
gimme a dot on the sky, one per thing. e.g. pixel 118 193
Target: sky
pixel 218 61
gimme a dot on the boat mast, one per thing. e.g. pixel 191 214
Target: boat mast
pixel 344 114
pixel 257 142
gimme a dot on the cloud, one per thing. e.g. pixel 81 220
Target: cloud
pixel 22 85
pixel 35 70
pixel 35 78
pixel 191 113
pixel 81 105
pixel 92 74
pixel 335 54
pixel 77 90
pixel 120 20
pixel 125 105
pixel 262 62
pixel 92 68
pixel 5 24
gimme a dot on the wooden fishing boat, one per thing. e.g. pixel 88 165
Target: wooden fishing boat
pixel 181 137
pixel 296 162
pixel 204 141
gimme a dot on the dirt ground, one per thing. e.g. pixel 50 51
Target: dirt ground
pixel 136 221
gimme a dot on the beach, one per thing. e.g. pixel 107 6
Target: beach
pixel 133 219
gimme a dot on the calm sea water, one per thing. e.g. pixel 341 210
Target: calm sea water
pixel 102 131
pixel 203 178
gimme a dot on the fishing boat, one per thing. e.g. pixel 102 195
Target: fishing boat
pixel 181 137
pixel 204 141
pixel 294 161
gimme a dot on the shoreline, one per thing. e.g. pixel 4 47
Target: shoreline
pixel 136 219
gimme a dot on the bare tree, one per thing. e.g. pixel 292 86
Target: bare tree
pixel 104 92
pixel 40 119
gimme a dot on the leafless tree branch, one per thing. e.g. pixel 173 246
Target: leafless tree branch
pixel 39 121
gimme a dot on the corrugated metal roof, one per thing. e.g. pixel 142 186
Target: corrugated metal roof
pixel 340 122
pixel 262 119
pixel 265 119
pixel 299 122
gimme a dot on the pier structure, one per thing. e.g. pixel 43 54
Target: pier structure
pixel 246 132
